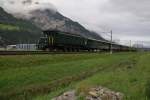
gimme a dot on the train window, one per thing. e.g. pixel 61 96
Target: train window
pixel 85 42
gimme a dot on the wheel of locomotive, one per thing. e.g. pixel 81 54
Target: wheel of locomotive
pixel 73 50
pixel 68 50
pixel 64 49
pixel 77 49
pixel 46 49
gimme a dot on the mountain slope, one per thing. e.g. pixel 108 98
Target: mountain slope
pixel 24 29
pixel 49 20
pixel 14 30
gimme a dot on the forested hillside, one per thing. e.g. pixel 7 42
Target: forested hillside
pixel 14 30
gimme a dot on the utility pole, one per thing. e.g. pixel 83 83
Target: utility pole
pixel 111 43
pixel 111 40
pixel 130 45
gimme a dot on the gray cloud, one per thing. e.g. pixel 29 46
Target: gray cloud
pixel 136 14
pixel 27 2
pixel 25 6
pixel 129 19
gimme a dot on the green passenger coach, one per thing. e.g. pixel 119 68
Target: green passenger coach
pixel 54 40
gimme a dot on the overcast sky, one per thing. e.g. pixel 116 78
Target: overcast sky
pixel 129 19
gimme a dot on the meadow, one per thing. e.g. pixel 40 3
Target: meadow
pixel 41 77
pixel 8 27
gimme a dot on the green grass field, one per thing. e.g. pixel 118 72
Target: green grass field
pixel 41 77
pixel 8 27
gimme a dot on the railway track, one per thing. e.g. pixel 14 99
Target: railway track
pixel 21 52
pixel 36 52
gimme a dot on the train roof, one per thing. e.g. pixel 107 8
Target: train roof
pixel 61 32
pixel 72 34
pixel 77 35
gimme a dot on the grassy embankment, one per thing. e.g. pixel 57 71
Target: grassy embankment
pixel 8 27
pixel 19 33
pixel 28 76
pixel 131 77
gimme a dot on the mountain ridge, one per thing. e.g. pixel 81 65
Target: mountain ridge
pixel 29 28
pixel 13 30
pixel 52 20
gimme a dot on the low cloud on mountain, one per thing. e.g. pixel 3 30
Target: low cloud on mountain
pixel 25 6
pixel 129 19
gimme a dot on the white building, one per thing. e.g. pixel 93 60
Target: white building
pixel 26 47
pixel 11 47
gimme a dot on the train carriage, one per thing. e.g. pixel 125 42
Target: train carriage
pixel 57 40
pixel 63 41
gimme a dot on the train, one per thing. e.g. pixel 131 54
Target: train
pixel 54 40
